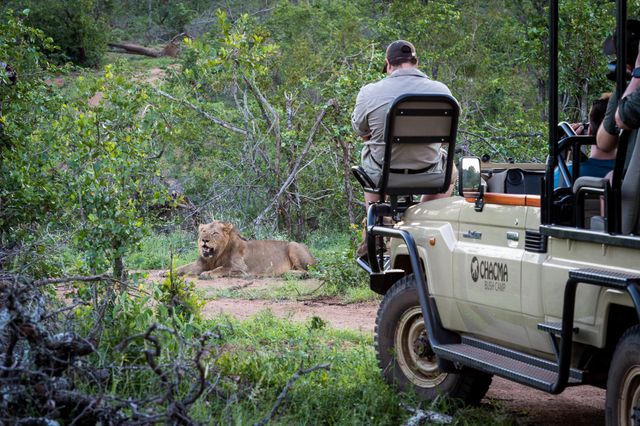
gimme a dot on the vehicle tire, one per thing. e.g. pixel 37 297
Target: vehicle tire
pixel 623 383
pixel 405 356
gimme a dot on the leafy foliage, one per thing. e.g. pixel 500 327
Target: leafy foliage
pixel 75 168
pixel 255 123
pixel 180 297
pixel 74 26
pixel 337 268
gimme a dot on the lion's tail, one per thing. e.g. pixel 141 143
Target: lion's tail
pixel 300 256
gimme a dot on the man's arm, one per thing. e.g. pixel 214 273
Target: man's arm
pixel 359 120
pixel 628 112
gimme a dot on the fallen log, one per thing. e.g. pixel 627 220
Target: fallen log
pixel 171 49
pixel 136 49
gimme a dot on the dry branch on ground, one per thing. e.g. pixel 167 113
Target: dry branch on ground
pixel 171 49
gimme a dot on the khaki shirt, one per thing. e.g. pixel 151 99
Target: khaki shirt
pixel 370 114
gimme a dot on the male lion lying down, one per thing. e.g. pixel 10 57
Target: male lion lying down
pixel 224 252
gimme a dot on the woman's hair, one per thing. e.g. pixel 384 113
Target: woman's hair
pixel 597 112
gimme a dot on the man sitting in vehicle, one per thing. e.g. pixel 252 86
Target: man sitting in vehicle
pixel 623 113
pixel 373 102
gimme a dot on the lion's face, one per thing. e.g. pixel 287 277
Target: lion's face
pixel 213 238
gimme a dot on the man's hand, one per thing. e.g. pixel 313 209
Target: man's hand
pixel 578 128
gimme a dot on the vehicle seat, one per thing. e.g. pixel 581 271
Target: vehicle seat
pixel 630 189
pixel 515 181
pixel 418 126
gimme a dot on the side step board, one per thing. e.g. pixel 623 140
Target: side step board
pixel 519 367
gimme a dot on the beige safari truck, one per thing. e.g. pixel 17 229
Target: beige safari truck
pixel 513 277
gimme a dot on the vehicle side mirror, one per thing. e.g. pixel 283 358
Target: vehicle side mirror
pixel 471 181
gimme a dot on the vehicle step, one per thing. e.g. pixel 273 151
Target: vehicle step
pixel 600 276
pixel 554 328
pixel 507 363
pixel 363 262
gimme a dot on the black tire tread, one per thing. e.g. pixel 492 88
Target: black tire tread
pixel 630 337
pixel 471 385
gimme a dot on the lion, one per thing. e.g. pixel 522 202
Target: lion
pixel 222 251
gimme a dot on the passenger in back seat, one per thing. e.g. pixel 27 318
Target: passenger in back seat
pixel 599 162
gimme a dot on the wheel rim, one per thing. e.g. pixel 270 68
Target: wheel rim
pixel 629 402
pixel 414 354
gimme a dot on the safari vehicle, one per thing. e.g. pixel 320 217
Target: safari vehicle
pixel 514 277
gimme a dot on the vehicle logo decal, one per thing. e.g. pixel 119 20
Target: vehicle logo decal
pixel 475 269
pixel 495 275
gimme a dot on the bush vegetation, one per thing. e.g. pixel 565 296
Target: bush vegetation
pixel 250 124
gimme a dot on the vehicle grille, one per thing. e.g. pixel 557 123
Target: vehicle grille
pixel 535 242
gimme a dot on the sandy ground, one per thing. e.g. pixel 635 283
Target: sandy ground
pixel 582 405
pixel 358 316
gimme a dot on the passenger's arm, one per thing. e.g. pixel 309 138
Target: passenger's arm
pixel 605 141
pixel 607 136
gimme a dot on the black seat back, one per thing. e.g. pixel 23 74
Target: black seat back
pixel 418 126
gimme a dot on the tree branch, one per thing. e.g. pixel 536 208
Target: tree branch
pixel 286 388
pixel 429 416
pixel 296 167
pixel 273 122
pixel 101 277
pixel 205 114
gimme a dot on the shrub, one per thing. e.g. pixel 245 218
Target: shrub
pixel 179 296
pixel 73 26
pixel 337 267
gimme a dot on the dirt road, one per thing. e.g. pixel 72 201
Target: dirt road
pixel 576 406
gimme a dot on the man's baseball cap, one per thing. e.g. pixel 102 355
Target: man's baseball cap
pixel 633 37
pixel 400 51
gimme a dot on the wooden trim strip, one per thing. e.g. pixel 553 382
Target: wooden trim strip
pixel 509 199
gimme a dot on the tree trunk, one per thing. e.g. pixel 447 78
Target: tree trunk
pixel 542 97
pixel 348 188
pixel 171 49
pixel 119 273
pixel 584 101
pixel 136 49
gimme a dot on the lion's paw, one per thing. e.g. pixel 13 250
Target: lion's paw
pixel 207 276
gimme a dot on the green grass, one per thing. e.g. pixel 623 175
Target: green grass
pixel 139 63
pixel 155 251
pixel 266 351
pixel 337 268
pixel 285 288
pixel 254 359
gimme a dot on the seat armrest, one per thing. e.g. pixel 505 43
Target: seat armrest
pixel 588 185
pixel 589 182
pixel 363 178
